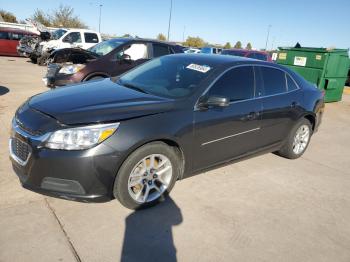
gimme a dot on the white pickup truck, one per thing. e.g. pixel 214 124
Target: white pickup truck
pixel 63 38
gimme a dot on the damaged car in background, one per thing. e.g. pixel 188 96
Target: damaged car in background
pixel 29 46
pixel 38 49
pixel 106 59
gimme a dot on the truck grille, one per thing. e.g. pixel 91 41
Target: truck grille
pixel 20 150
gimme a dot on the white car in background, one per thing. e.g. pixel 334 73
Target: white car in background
pixel 63 38
pixel 192 51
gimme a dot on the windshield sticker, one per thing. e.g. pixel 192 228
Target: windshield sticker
pixel 199 68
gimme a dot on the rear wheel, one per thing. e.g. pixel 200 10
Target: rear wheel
pixel 297 141
pixel 147 175
pixel 95 78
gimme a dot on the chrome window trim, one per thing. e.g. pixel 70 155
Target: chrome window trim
pixel 230 136
pixel 255 90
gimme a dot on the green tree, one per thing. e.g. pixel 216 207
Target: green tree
pixel 64 16
pixel 161 37
pixel 249 46
pixel 227 45
pixel 238 45
pixel 8 16
pixel 41 17
pixel 194 41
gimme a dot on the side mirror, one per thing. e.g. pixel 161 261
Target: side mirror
pixel 126 58
pixel 215 101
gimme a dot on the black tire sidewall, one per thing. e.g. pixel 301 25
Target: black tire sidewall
pixel 120 188
pixel 287 149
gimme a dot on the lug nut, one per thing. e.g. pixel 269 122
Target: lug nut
pixel 150 182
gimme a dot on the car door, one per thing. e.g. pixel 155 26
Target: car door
pixel 223 133
pixel 90 39
pixel 280 97
pixel 71 39
pixel 160 50
pixel 137 53
pixel 5 45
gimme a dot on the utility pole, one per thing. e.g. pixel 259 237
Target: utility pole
pixel 99 20
pixel 171 9
pixel 267 37
pixel 183 34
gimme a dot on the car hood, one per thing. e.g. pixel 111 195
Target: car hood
pixel 97 101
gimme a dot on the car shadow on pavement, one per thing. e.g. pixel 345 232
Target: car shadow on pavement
pixel 148 233
pixel 3 90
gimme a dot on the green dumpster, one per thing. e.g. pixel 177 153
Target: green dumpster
pixel 327 68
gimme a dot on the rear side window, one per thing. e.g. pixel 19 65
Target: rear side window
pixel 160 50
pixel 291 84
pixel 274 81
pixel 236 84
pixel 4 35
pixel 90 38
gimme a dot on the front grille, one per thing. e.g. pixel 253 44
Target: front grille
pixel 20 149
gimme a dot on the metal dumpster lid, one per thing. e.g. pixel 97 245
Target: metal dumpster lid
pixel 313 49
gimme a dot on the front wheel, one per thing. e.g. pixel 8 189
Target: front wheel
pixel 147 175
pixel 297 141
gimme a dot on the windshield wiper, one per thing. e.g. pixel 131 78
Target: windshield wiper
pixel 131 86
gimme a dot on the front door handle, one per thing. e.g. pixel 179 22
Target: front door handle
pixel 251 116
pixel 294 104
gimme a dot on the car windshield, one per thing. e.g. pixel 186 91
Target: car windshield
pixel 58 33
pixel 167 76
pixel 233 52
pixel 105 47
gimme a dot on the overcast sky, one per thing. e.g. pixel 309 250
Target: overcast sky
pixel 312 23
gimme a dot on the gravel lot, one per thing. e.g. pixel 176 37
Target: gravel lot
pixel 263 209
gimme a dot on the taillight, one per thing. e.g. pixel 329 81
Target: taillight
pixel 323 93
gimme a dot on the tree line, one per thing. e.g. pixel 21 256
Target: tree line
pixel 64 16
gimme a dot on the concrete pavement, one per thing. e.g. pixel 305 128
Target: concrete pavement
pixel 262 209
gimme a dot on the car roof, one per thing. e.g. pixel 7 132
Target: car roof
pixel 15 30
pixel 126 39
pixel 223 61
pixel 247 51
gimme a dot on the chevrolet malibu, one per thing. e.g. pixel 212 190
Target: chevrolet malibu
pixel 132 137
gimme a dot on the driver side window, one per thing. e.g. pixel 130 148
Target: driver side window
pixel 135 51
pixel 236 84
pixel 73 37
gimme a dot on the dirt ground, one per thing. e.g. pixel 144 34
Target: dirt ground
pixel 263 209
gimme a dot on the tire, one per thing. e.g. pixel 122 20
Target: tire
pixel 42 60
pixel 127 194
pixel 33 60
pixel 95 78
pixel 290 149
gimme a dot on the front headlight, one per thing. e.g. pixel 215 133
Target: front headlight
pixel 71 69
pixel 80 137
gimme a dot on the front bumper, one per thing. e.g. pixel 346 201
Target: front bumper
pixel 84 175
pixel 54 78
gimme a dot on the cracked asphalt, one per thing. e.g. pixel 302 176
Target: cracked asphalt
pixel 263 209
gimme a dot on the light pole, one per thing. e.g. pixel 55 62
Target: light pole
pixel 183 34
pixel 99 20
pixel 171 9
pixel 267 37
